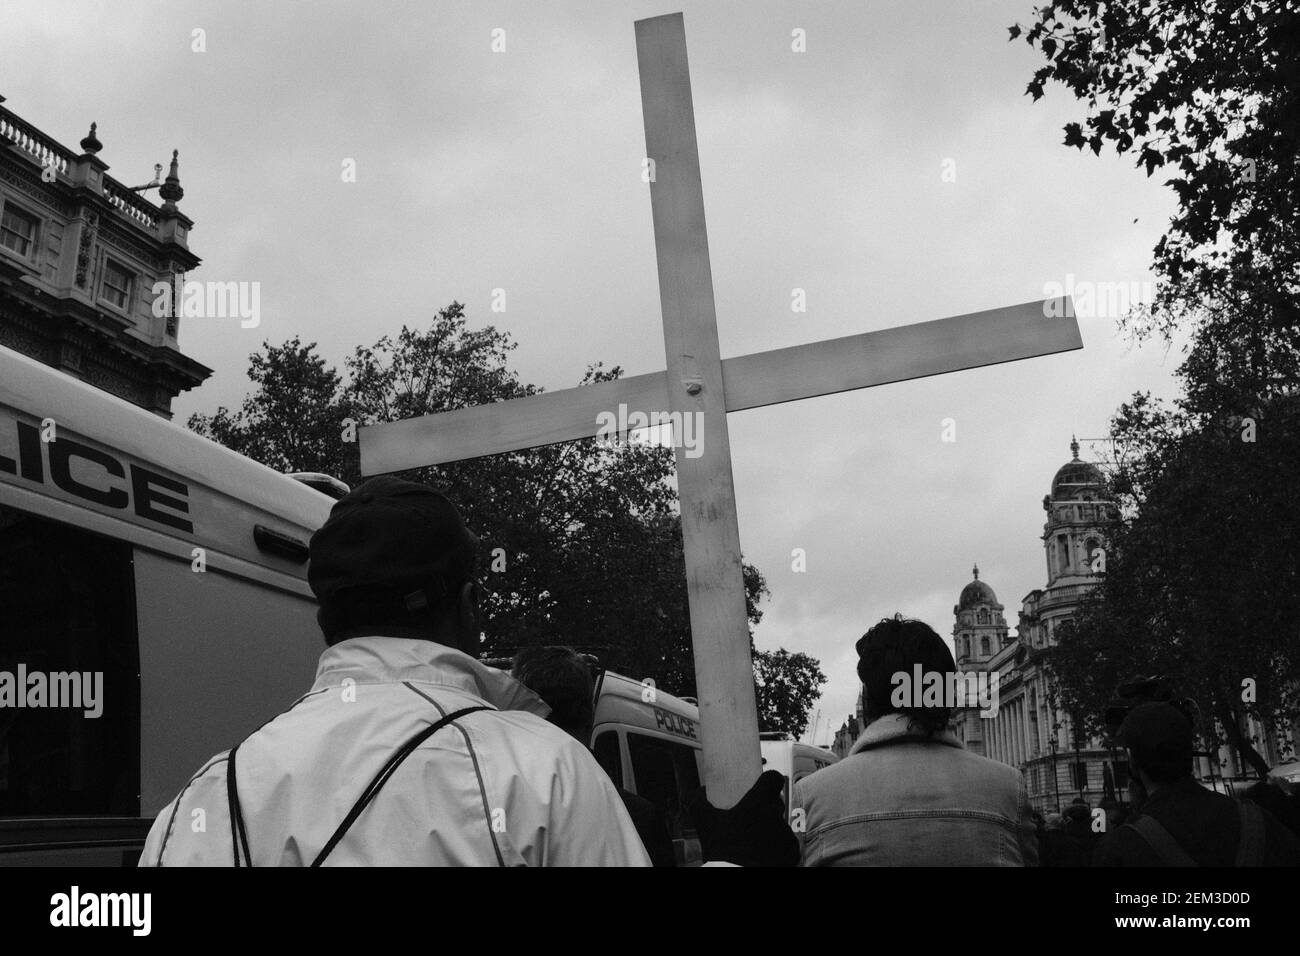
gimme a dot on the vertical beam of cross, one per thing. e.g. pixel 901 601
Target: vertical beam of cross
pixel 724 674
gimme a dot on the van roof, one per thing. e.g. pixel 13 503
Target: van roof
pixel 227 484
pixel 626 701
pixel 625 688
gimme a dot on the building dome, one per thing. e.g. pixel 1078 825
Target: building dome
pixel 977 592
pixel 1078 479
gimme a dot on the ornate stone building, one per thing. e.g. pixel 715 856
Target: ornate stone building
pixel 848 733
pixel 80 254
pixel 1029 730
pixel 979 634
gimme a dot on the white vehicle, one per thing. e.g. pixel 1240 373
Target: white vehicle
pixel 649 743
pixel 150 575
pixel 793 759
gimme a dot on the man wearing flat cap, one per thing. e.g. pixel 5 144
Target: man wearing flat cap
pixel 406 751
pixel 1182 823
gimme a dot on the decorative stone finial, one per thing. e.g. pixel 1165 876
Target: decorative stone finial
pixel 171 190
pixel 91 144
pixel 1074 447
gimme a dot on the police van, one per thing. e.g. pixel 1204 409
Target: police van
pixel 649 743
pixel 154 608
pixel 794 759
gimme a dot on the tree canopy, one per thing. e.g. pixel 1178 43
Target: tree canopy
pixel 1206 92
pixel 787 685
pixel 1203 578
pixel 1201 583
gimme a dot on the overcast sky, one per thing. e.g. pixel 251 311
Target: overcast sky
pixel 521 170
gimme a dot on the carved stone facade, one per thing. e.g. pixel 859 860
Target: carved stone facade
pixel 79 256
pixel 1030 730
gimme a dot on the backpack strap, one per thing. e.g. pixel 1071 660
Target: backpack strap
pixel 1159 839
pixel 385 772
pixel 1250 844
pixel 238 835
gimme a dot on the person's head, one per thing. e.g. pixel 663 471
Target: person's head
pixel 560 677
pixel 896 646
pixel 1159 738
pixel 1078 818
pixel 395 559
pixel 1054 821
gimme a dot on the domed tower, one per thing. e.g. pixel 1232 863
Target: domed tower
pixel 1079 510
pixel 980 630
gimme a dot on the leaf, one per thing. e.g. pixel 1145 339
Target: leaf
pixel 1014 31
pixel 1150 158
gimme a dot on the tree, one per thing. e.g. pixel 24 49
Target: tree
pixel 293 421
pixel 1203 575
pixel 580 542
pixel 787 686
pixel 1210 92
pixel 1201 581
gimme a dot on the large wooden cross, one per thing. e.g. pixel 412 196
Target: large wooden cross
pixel 698 382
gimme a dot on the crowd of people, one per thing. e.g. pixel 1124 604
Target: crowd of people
pixel 409 751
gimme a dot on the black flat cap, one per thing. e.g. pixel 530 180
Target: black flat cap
pixel 390 536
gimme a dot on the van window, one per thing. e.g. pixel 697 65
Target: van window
pixel 608 756
pixel 666 774
pixel 69 672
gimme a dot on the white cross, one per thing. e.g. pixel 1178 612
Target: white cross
pixel 699 382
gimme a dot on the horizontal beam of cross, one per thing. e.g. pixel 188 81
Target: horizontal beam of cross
pixel 749 381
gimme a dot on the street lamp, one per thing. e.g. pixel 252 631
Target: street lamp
pixel 1056 783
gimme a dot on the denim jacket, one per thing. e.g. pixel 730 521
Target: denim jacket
pixel 900 799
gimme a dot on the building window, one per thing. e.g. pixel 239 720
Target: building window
pixel 984 646
pixel 1079 775
pixel 117 284
pixel 1062 552
pixel 18 231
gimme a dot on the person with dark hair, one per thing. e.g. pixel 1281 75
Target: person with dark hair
pixel 564 681
pixel 1079 832
pixel 406 750
pixel 1180 822
pixel 909 794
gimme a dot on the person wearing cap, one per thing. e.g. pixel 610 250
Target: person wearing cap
pixel 908 793
pixel 1181 823
pixel 406 750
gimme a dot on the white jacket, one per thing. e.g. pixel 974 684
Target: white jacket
pixel 493 788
